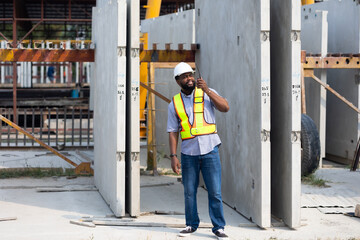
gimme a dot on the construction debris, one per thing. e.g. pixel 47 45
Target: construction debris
pixel 71 188
pixel 147 224
pixel 357 210
pixel 7 218
pixel 157 212
pixel 157 184
pixel 86 224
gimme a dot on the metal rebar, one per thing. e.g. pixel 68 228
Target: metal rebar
pixel 80 126
pixel 65 110
pixel 41 123
pixel 88 130
pixel 1 112
pixel 33 125
pixel 25 110
pixel 72 130
pixel 57 126
pixel 9 116
pixel 48 128
pixel 16 132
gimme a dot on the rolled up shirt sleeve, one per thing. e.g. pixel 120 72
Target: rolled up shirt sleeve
pixel 173 120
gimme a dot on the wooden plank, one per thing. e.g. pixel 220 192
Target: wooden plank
pixel 86 224
pixel 147 224
pixel 7 219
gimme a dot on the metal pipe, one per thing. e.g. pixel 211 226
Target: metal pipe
pixel 50 19
pixel 65 110
pixel 69 9
pixel 80 127
pixel 48 128
pixel 57 126
pixel 3 36
pixel 14 63
pixel 33 124
pixel 25 116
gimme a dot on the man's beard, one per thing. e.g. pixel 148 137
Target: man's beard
pixel 188 88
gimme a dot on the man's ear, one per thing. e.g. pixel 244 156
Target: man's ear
pixel 178 81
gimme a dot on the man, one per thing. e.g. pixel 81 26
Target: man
pixel 50 74
pixel 191 113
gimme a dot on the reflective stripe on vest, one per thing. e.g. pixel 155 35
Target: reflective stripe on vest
pixel 200 126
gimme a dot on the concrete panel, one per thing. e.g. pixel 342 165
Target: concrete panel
pixel 285 110
pixel 132 110
pixel 234 60
pixel 109 102
pixel 173 28
pixel 314 39
pixel 342 123
pixel 166 85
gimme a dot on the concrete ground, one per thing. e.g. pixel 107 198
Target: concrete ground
pixel 47 215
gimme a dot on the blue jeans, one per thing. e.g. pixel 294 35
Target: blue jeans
pixel 210 167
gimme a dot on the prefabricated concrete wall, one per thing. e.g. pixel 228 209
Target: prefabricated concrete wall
pixel 342 124
pixel 314 40
pixel 177 28
pixel 132 110
pixel 173 28
pixel 234 59
pixel 109 23
pixel 285 24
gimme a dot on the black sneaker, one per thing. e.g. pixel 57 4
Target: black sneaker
pixel 221 234
pixel 187 231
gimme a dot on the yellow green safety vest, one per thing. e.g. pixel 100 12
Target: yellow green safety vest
pixel 200 126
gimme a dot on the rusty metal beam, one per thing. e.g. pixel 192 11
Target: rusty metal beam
pixel 167 56
pixel 48 19
pixel 3 36
pixel 47 55
pixel 28 33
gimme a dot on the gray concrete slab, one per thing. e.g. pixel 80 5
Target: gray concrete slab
pixel 42 216
pixel 285 24
pixel 172 28
pixel 109 102
pixel 314 39
pixel 132 192
pixel 234 60
pixel 40 159
pixel 342 124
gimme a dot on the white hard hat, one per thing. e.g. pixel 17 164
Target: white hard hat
pixel 182 68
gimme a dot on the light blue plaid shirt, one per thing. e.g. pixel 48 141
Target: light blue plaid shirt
pixel 198 145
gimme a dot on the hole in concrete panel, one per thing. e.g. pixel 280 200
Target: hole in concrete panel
pixel 327 62
pixel 357 62
pixel 352 141
pixel 199 12
pixel 337 62
pixel 347 61
pixel 306 62
pixel 317 62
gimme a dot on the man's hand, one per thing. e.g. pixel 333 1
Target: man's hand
pixel 200 83
pixel 175 165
